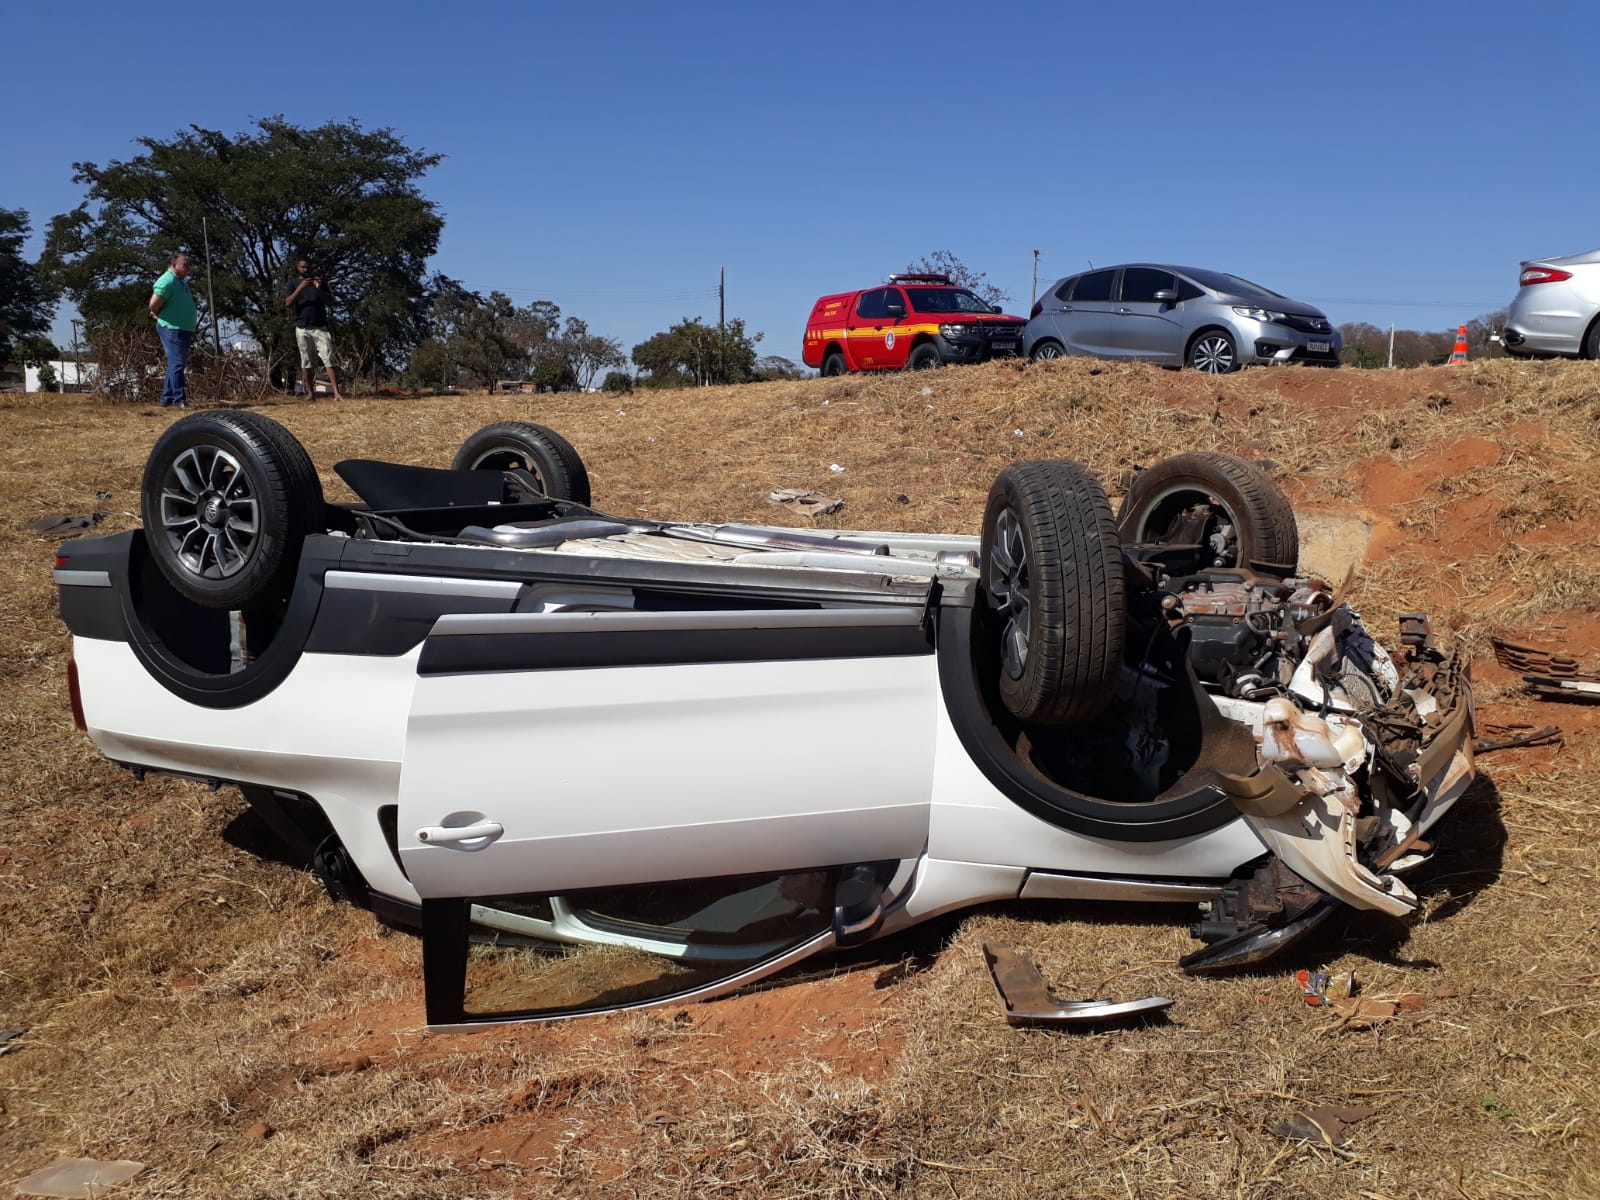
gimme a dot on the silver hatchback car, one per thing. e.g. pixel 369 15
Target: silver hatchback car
pixel 1557 308
pixel 1176 316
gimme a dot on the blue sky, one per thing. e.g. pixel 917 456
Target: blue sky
pixel 1389 161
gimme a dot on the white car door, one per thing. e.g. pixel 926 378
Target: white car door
pixel 551 753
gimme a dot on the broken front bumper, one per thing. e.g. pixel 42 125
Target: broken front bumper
pixel 1343 801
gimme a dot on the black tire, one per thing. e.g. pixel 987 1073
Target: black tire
pixel 543 453
pixel 1240 494
pixel 924 357
pixel 1051 565
pixel 834 364
pixel 1214 352
pixel 1045 349
pixel 1591 342
pixel 228 498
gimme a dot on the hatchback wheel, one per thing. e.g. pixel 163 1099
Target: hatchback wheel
pixel 1047 348
pixel 1214 353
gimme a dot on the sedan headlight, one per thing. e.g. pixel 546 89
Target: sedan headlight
pixel 955 331
pixel 1259 314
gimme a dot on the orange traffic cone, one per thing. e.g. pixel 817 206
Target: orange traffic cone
pixel 1459 354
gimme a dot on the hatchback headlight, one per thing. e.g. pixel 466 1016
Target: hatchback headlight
pixel 1259 314
pixel 958 330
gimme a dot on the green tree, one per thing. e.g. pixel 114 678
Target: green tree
pixel 694 354
pixel 583 355
pixel 341 194
pixel 942 262
pixel 471 339
pixel 27 301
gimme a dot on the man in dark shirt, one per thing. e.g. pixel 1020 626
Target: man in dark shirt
pixel 310 301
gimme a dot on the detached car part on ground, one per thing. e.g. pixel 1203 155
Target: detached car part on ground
pixel 606 762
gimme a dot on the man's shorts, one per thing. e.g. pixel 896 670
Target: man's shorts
pixel 321 339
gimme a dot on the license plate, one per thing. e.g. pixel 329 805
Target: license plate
pixel 1004 345
pixel 1319 347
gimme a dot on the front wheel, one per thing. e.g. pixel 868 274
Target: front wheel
pixel 1214 352
pixel 1046 349
pixel 924 357
pixel 1231 507
pixel 1051 565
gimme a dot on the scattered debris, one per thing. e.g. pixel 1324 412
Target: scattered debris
pixel 1514 656
pixel 812 504
pixel 1017 433
pixel 1365 1012
pixel 1505 737
pixel 78 1177
pixel 1026 997
pixel 67 524
pixel 836 468
pixel 1551 676
pixel 8 1040
pixel 1584 688
pixel 260 1130
pixel 1325 1125
pixel 1321 988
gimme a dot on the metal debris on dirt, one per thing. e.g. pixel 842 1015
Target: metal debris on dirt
pixel 1507 737
pixel 78 1177
pixel 65 524
pixel 1324 1126
pixel 1321 988
pixel 1026 999
pixel 812 504
pixel 1550 675
pixel 9 1040
pixel 1336 992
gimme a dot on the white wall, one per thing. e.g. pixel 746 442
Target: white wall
pixel 68 374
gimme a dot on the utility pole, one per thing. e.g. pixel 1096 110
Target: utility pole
pixel 1391 344
pixel 1033 292
pixel 722 336
pixel 211 296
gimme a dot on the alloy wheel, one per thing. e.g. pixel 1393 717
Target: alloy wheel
pixel 1213 354
pixel 1009 586
pixel 209 512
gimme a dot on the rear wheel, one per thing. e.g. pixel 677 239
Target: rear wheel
pixel 1052 578
pixel 834 364
pixel 228 498
pixel 1214 353
pixel 1047 348
pixel 1591 341
pixel 543 453
pixel 1226 503
pixel 924 357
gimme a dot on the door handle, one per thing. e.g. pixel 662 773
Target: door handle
pixel 1125 312
pixel 479 834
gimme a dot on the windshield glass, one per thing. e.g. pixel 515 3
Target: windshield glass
pixel 945 300
pixel 1231 284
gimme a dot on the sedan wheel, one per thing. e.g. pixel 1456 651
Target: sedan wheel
pixel 1214 354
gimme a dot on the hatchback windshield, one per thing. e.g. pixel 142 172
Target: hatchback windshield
pixel 945 300
pixel 1230 284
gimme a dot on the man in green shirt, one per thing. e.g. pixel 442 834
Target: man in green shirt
pixel 172 305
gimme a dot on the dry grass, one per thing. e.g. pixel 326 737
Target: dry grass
pixel 182 985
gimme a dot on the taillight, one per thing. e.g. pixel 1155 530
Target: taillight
pixel 61 561
pixel 1038 307
pixel 75 695
pixel 1542 275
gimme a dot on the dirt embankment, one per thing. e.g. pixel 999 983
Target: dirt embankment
pixel 196 1004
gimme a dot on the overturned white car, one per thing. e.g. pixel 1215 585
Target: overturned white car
pixel 606 762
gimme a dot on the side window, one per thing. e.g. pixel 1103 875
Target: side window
pixel 873 306
pixel 1140 284
pixel 1188 291
pixel 1064 292
pixel 1096 285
